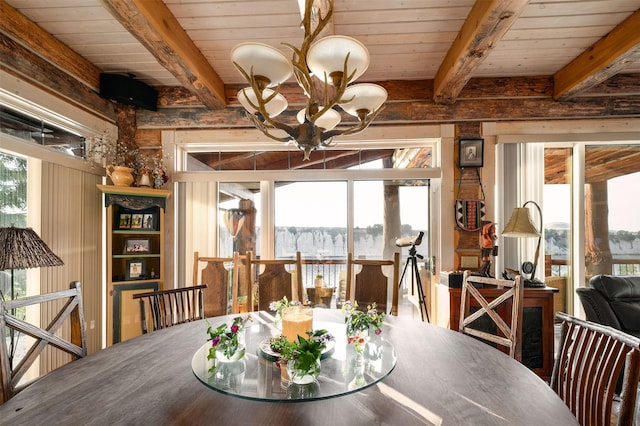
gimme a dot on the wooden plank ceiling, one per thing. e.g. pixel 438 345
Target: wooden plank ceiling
pixel 421 50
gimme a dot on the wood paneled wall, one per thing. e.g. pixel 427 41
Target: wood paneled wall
pixel 71 224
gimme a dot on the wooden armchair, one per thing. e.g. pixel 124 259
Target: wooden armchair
pixel 223 282
pixel 587 368
pixel 494 329
pixel 274 280
pixel 370 284
pixel 71 341
pixel 165 308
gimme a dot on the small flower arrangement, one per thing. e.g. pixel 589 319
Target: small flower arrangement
pixel 359 322
pixel 159 174
pixel 302 356
pixel 225 339
pixel 103 150
pixel 278 306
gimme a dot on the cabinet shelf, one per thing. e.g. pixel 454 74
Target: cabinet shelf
pixel 136 232
pixel 135 255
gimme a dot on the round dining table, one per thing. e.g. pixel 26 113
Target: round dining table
pixel 441 377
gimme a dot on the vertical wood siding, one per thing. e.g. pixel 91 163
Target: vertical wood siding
pixel 71 226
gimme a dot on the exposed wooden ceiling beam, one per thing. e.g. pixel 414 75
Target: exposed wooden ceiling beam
pixel 21 29
pixel 25 64
pixel 604 59
pixel 153 24
pixel 485 25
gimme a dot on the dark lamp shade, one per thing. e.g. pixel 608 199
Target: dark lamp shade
pixel 520 224
pixel 22 248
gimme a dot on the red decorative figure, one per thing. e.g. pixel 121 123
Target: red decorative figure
pixel 488 248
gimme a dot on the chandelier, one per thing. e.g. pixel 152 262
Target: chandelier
pixel 324 69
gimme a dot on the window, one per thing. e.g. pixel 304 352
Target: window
pixel 13 212
pixel 40 132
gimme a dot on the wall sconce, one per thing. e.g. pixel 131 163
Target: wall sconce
pixel 520 225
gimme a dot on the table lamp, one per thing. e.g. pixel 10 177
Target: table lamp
pixel 520 225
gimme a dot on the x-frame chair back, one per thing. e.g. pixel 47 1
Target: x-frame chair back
pixel 506 335
pixel 52 335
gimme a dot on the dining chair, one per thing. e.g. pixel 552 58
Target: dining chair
pixel 590 360
pixel 273 279
pixel 371 284
pixel 502 301
pixel 66 332
pixel 165 308
pixel 225 281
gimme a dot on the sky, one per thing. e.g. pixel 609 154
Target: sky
pixel 329 204
pixel 624 203
pixel 329 199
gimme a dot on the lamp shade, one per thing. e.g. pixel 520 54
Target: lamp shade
pixel 22 248
pixel 364 96
pixel 262 60
pixel 275 106
pixel 520 224
pixel 327 56
pixel 330 119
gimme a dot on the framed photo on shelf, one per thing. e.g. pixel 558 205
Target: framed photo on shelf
pixel 136 220
pixel 148 221
pixel 125 221
pixel 470 152
pixel 135 269
pixel 137 245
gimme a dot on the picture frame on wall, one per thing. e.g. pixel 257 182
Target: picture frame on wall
pixel 470 153
pixel 137 245
pixel 135 269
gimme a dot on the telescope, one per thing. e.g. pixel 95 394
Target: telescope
pixel 407 241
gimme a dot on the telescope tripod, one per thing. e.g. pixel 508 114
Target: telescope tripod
pixel 412 261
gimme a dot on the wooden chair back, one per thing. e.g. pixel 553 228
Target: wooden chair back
pixel 591 359
pixel 52 335
pixel 224 282
pixel 370 284
pixel 165 308
pixel 273 279
pixel 510 302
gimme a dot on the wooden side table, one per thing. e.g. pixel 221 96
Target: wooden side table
pixel 537 324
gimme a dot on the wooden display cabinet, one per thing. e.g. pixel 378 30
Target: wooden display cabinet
pixel 537 324
pixel 134 254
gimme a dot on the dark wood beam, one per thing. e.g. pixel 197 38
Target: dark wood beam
pixel 153 24
pixel 413 112
pixel 419 90
pixel 485 25
pixel 21 29
pixel 23 63
pixel 607 57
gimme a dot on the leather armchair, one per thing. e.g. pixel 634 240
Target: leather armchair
pixel 613 301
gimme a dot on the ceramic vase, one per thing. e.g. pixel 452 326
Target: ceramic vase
pixel 120 175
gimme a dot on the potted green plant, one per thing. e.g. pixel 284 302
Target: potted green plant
pixel 302 357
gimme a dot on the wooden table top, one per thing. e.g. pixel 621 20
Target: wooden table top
pixel 441 377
